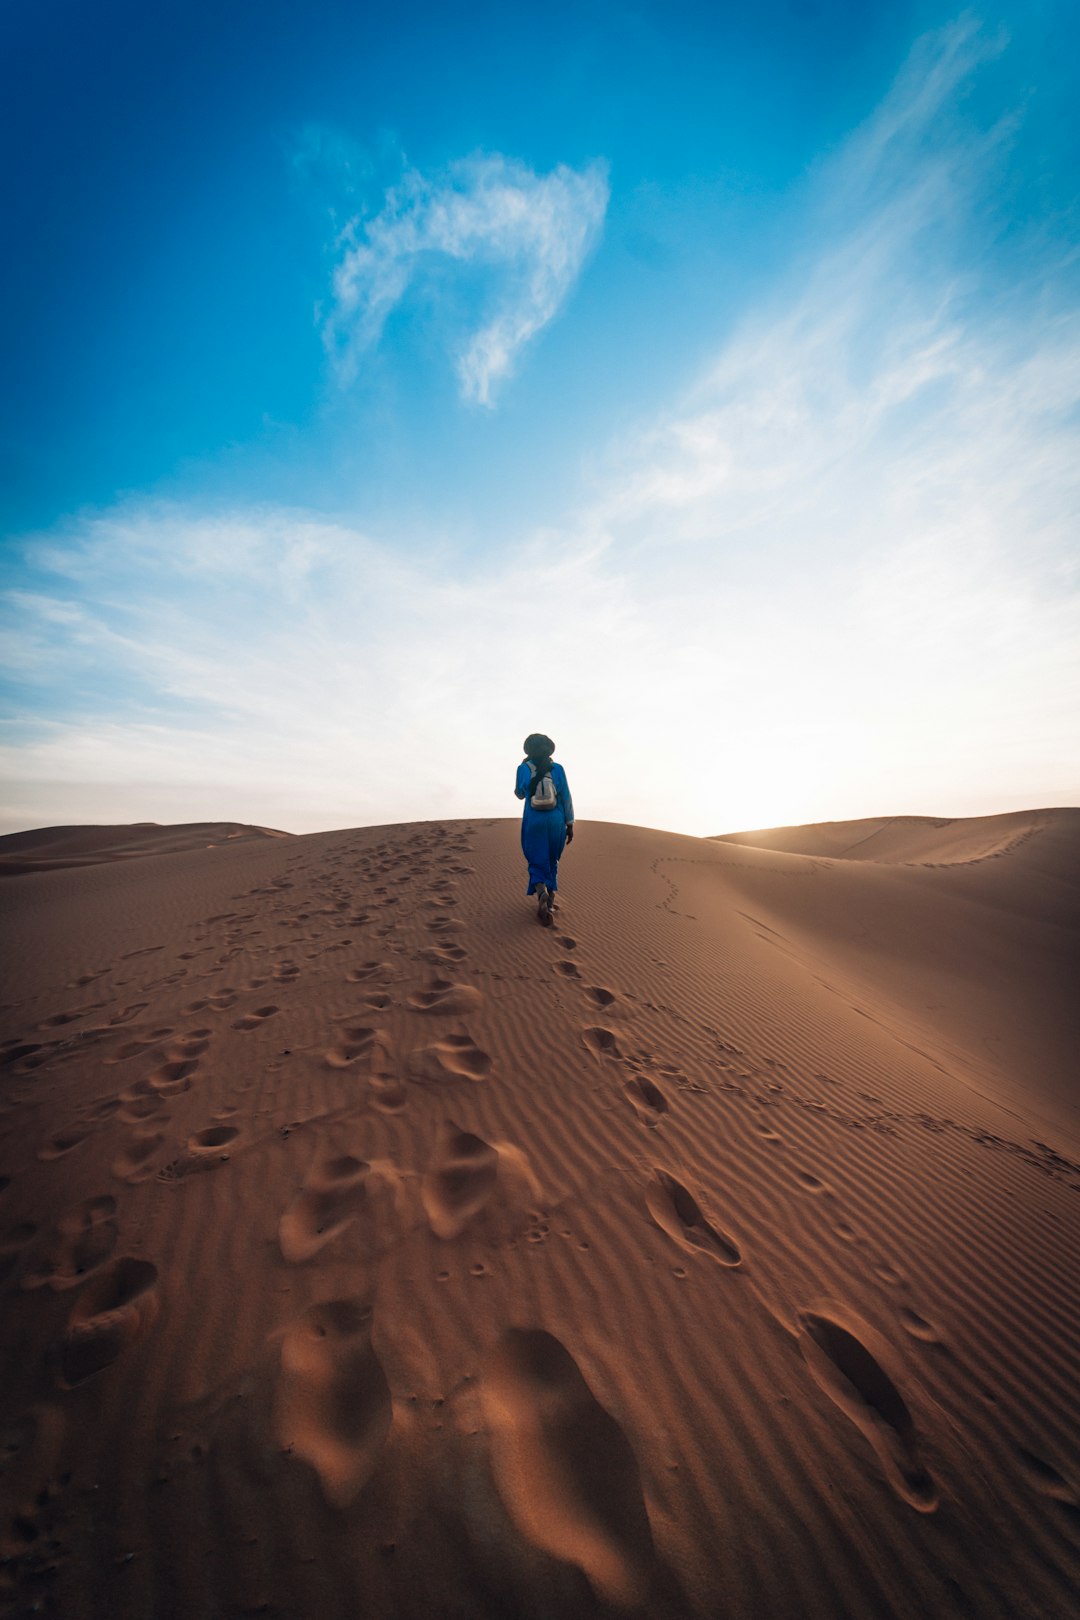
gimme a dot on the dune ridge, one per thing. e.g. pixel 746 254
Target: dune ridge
pixel 46 848
pixel 911 840
pixel 367 1248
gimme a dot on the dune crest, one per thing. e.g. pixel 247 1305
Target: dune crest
pixel 54 848
pixel 913 840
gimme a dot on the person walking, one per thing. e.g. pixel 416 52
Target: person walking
pixel 547 822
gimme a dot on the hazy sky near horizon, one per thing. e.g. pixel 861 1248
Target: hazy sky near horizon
pixel 698 384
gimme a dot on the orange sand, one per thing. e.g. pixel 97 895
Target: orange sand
pixel 367 1250
pixel 49 847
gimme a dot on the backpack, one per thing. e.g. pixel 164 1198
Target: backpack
pixel 543 795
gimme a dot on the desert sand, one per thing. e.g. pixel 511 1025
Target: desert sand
pixel 46 848
pixel 368 1250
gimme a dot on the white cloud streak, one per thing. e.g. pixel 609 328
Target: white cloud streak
pixel 840 579
pixel 523 237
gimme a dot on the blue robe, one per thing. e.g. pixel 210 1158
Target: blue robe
pixel 543 832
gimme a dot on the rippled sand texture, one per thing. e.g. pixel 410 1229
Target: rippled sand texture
pixel 366 1249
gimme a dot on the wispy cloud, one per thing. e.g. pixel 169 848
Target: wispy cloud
pixel 522 237
pixel 883 389
pixel 839 578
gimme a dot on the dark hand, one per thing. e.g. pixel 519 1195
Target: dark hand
pixel 570 833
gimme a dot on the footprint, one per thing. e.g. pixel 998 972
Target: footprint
pixel 191 1045
pixel 62 1143
pixel 387 1091
pixel 130 1049
pixel 172 1079
pixel 124 1015
pixel 566 942
pixel 133 1163
pixel 140 1101
pixel 375 1001
pixel 918 1326
pixel 601 1042
pixel 329 1201
pixel 212 1138
pixel 81 1240
pixel 254 1019
pixel 356 1041
pixel 69 1017
pixel 459 1181
pixel 332 1405
pixel 438 954
pixel 676 1211
pixel 810 1182
pixel 646 1099
pixel 853 1377
pixel 1046 1478
pixel 444 996
pixel 109 1315
pixel 369 970
pixel 889 1274
pixel 568 970
pixel 564 1469
pixel 18 1051
pixel 598 995
pixel 456 1055
pixel 204 1152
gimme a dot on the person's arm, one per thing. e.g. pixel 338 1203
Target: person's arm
pixel 519 785
pixel 568 809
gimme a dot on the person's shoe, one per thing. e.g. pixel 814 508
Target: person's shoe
pixel 543 903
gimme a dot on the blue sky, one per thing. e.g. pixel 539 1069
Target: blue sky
pixel 699 382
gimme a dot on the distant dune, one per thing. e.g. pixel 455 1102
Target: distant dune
pixel 917 840
pixel 367 1249
pixel 49 847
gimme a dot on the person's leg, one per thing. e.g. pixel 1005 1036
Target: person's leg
pixel 556 845
pixel 534 847
pixel 547 891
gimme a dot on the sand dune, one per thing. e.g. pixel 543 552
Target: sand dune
pixel 49 847
pixel 367 1249
pixel 958 934
pixel 914 840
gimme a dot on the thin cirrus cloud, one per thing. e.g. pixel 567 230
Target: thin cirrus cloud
pixel 838 578
pixel 522 237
